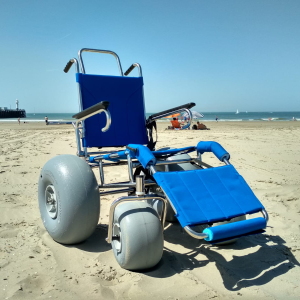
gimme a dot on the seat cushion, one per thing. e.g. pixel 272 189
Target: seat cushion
pixel 208 195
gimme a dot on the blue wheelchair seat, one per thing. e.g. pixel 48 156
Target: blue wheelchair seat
pixel 208 195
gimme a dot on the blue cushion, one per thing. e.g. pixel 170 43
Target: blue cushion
pixel 214 147
pixel 126 105
pixel 225 231
pixel 143 154
pixel 208 195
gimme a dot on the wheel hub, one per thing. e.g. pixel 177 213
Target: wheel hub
pixel 51 201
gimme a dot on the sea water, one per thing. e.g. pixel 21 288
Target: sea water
pixel 208 116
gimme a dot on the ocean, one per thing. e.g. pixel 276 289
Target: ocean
pixel 208 116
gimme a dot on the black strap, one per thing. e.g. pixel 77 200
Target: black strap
pixel 150 126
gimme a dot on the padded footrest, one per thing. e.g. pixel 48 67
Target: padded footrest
pixel 208 195
pixel 230 230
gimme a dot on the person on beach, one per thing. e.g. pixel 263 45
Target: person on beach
pixel 175 123
pixel 201 126
pixel 19 121
pixel 217 118
pixel 46 120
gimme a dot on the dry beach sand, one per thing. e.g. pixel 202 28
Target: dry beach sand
pixel 33 266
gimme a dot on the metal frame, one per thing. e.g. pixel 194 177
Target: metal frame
pixel 98 51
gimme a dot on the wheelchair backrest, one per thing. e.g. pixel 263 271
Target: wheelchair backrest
pixel 126 105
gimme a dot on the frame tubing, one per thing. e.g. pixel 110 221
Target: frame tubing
pixel 125 184
pixel 117 191
pixel 130 172
pixel 98 51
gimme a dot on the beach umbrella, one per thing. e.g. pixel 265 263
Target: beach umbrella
pixel 195 114
pixel 173 116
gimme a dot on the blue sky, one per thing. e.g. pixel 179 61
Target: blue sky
pixel 222 55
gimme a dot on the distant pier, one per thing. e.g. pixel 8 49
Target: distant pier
pixel 12 113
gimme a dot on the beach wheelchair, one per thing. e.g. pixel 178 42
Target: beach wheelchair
pixel 210 203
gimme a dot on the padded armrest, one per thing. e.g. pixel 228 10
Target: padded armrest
pixel 142 153
pixel 92 109
pixel 215 148
pixel 169 111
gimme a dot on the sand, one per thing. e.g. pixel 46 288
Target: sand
pixel 33 266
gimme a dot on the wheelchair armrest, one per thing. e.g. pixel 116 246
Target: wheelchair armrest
pixel 215 148
pixel 92 109
pixel 170 111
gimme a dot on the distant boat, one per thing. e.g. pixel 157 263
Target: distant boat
pixel 246 112
pixel 237 111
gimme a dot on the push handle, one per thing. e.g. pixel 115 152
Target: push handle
pixel 68 66
pixel 132 67
pixel 129 70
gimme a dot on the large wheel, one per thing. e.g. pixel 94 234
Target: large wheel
pixel 68 199
pixel 137 236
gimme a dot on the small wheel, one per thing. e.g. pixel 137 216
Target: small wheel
pixel 137 236
pixel 200 228
pixel 68 199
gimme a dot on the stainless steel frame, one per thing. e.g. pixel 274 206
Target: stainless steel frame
pixel 98 51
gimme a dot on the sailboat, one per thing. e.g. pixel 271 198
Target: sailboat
pixel 237 111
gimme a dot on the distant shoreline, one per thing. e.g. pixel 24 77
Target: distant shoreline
pixel 208 117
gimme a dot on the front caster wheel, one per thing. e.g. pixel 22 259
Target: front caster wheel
pixel 68 199
pixel 137 236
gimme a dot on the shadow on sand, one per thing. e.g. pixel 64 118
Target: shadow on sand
pixel 96 242
pixel 268 259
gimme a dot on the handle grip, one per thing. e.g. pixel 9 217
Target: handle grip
pixel 129 70
pixel 134 150
pixel 68 66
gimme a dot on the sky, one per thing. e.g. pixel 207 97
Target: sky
pixel 223 55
